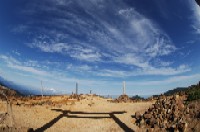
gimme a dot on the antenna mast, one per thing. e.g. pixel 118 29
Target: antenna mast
pixel 42 89
pixel 124 87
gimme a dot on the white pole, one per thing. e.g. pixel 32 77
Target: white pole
pixel 76 88
pixel 42 89
pixel 124 87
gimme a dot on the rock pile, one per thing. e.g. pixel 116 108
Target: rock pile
pixel 122 98
pixel 75 96
pixel 125 99
pixel 167 114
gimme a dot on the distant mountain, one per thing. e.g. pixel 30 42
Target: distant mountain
pixel 21 90
pixel 8 92
pixel 192 91
pixel 176 90
pixel 8 89
pixel 137 97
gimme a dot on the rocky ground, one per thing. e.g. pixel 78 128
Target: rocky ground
pixel 67 113
pixel 170 113
pixel 83 113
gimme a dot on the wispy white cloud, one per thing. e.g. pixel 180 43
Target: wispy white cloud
pixel 52 48
pixel 55 80
pixel 39 72
pixel 105 40
pixel 9 59
pixel 169 80
pixel 15 64
pixel 16 52
pixel 113 35
pixel 164 71
pixel 80 68
pixel 196 16
pixel 91 56
pixel 130 39
pixel 132 59
pixel 165 63
pixel 19 29
pixel 28 69
pixel 78 51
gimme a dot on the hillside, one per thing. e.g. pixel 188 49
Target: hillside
pixel 19 89
pixel 8 92
pixel 192 91
pixel 176 90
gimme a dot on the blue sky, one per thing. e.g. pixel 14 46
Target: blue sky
pixel 152 45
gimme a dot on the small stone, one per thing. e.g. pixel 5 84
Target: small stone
pixel 168 111
pixel 185 126
pixel 137 115
pixel 147 116
pixel 187 111
pixel 150 130
pixel 181 106
pixel 142 121
pixel 152 121
pixel 133 120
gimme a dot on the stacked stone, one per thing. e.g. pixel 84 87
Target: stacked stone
pixel 75 96
pixel 122 99
pixel 168 113
pixel 125 99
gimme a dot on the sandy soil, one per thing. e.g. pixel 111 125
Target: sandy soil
pixel 89 114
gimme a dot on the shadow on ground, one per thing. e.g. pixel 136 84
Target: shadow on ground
pixel 65 113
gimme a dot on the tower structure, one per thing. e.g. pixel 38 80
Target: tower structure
pixel 76 88
pixel 124 87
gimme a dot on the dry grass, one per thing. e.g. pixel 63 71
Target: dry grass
pixel 42 116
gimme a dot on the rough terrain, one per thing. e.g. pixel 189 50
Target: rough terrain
pixel 61 113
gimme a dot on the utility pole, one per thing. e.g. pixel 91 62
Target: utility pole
pixel 124 87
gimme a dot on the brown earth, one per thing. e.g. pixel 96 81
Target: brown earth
pixel 63 113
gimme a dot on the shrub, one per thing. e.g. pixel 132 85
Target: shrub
pixel 194 94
